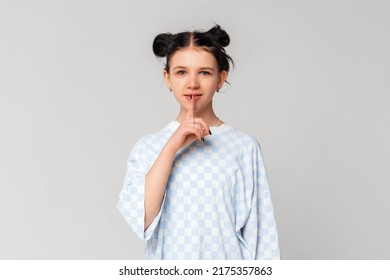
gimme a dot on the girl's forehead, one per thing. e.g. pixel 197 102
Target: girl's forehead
pixel 193 56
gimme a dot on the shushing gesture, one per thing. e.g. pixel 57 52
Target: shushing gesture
pixel 190 129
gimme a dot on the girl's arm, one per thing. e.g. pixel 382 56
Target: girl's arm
pixel 155 182
pixel 157 177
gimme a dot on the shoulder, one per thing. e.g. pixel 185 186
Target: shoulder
pixel 241 140
pixel 246 148
pixel 152 142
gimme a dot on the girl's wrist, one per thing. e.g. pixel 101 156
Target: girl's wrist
pixel 170 148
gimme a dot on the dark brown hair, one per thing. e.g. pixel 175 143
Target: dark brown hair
pixel 214 41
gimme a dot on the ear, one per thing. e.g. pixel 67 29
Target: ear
pixel 222 77
pixel 167 78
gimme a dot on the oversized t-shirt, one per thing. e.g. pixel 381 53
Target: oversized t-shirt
pixel 217 202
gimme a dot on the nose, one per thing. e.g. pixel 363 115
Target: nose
pixel 193 82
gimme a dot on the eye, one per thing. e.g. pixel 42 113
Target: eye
pixel 181 72
pixel 205 73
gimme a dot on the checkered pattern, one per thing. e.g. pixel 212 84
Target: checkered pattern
pixel 217 203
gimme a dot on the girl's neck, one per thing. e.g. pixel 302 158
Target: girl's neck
pixel 209 117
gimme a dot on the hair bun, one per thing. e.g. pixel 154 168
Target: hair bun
pixel 161 44
pixel 220 35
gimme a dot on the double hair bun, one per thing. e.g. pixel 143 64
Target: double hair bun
pixel 165 43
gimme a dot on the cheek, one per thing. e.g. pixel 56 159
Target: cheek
pixel 212 83
pixel 177 83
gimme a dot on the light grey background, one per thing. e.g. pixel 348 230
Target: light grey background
pixel 79 85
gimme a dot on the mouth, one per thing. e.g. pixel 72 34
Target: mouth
pixel 196 96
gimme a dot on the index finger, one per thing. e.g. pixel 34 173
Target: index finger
pixel 190 108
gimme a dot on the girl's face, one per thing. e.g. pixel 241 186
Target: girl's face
pixel 194 71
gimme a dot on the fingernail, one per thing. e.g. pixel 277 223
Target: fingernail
pixel 202 139
pixel 210 132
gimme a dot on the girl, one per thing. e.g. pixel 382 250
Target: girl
pixel 198 189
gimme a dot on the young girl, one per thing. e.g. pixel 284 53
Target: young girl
pixel 198 189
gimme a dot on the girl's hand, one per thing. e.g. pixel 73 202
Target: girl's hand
pixel 189 130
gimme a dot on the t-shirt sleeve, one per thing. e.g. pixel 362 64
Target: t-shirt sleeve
pixel 131 199
pixel 259 231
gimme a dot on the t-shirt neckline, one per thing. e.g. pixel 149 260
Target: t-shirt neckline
pixel 214 129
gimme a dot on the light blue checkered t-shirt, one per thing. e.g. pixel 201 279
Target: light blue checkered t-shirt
pixel 217 202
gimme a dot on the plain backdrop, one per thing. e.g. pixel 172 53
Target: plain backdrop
pixel 79 84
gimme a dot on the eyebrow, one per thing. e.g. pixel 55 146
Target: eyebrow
pixel 207 68
pixel 201 68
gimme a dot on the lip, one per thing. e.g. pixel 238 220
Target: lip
pixel 196 96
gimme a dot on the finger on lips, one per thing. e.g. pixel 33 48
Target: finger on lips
pixel 190 110
pixel 202 129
